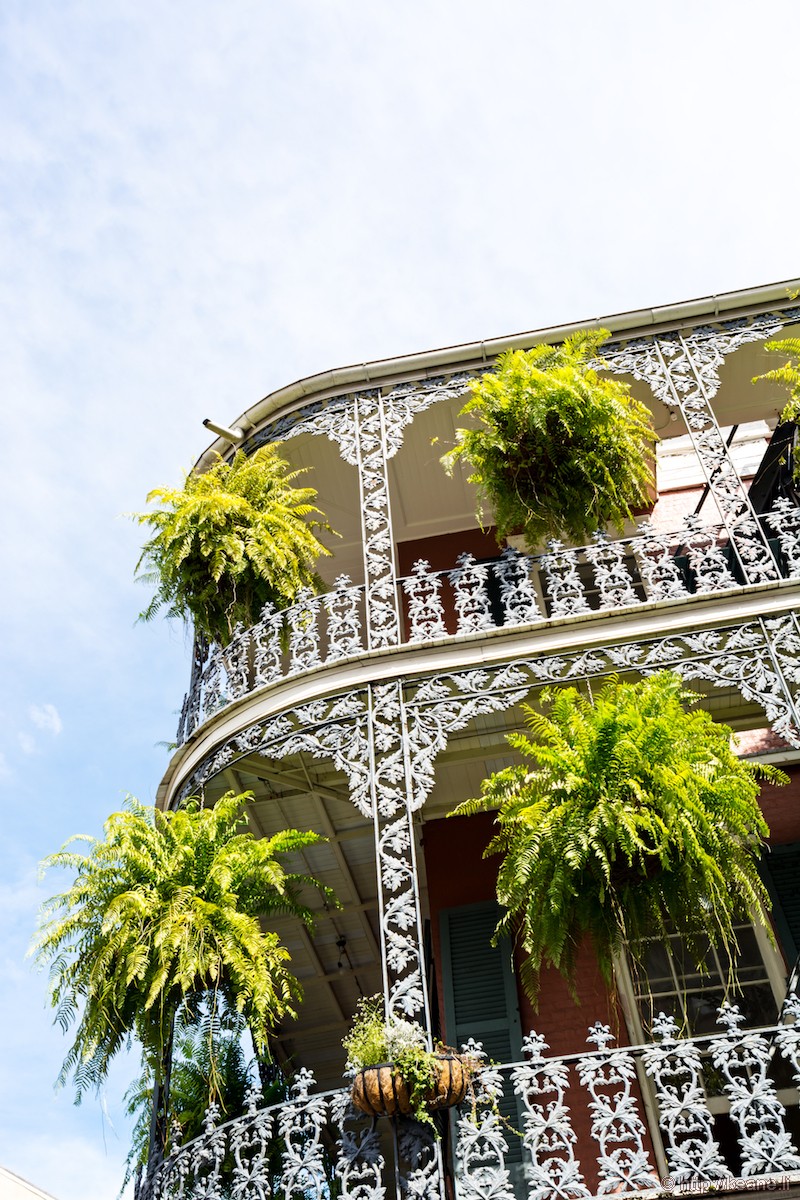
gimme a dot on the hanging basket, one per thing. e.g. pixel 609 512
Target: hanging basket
pixel 381 1091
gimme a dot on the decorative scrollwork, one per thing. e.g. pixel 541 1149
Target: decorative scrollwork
pixel 368 428
pixel 706 558
pixel 420 1172
pixel 336 729
pixel 304 633
pixel 609 1075
pixel 267 655
pixel 401 923
pixel 481 1144
pixel 683 371
pixel 547 1130
pixel 611 574
pixel 445 704
pixel 300 1124
pixel 469 581
pixel 655 557
pixel 344 620
pixel 564 587
pixel 784 518
pixel 743 1060
pixel 360 1164
pixel 256 1153
pixel 425 608
pixel 517 593
pixel 288 1148
pixel 676 1068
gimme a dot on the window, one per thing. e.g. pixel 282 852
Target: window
pixel 670 981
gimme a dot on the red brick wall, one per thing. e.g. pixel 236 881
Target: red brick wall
pixel 441 552
pixel 781 809
pixel 461 841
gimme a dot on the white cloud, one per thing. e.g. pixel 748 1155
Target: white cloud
pixel 27 742
pixel 45 716
pixel 5 769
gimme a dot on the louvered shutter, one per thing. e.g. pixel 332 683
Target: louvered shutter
pixel 781 868
pixel 480 995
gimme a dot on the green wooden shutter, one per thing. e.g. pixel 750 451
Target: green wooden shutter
pixel 781 867
pixel 480 995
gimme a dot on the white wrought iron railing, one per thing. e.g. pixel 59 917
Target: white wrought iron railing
pixel 512 591
pixel 580 1128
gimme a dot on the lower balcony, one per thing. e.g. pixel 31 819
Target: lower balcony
pixel 695 1116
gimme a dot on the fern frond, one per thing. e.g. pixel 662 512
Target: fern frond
pixel 638 814
pixel 237 537
pixel 168 906
pixel 555 449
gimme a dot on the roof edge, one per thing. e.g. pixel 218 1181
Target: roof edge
pixel 428 362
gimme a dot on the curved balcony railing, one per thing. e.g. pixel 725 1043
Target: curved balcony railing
pixel 514 590
pixel 571 1127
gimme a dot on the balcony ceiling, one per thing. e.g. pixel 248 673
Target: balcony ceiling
pixel 426 503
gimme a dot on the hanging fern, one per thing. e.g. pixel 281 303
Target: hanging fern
pixel 231 540
pixel 631 817
pixel 559 451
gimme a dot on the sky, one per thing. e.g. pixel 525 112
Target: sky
pixel 201 202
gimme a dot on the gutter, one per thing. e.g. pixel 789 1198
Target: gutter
pixel 406 367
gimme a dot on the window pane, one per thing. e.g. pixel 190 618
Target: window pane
pixel 674 982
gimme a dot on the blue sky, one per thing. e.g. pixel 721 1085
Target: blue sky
pixel 202 202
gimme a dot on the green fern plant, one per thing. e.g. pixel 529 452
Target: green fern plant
pixel 631 815
pixel 167 906
pixel 788 376
pixel 558 451
pixel 231 540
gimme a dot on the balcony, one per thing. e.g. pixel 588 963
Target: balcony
pixel 513 592
pixel 711 1114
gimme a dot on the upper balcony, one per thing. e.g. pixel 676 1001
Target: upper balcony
pixel 651 571
pixel 415 587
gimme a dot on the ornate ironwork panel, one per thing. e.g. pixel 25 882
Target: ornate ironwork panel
pixel 547 1130
pixel 425 608
pixel 676 1068
pixel 611 574
pixel 398 895
pixel 469 581
pixel 784 518
pixel 610 1077
pixel 567 597
pixel 743 1059
pixel 517 592
pixel 360 1164
pixel 368 427
pixel 682 370
pixel 481 1143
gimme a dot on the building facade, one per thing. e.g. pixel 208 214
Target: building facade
pixel 388 701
